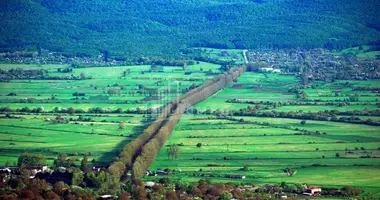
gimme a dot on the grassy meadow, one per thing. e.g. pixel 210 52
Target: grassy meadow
pixel 100 137
pixel 346 154
pixel 341 154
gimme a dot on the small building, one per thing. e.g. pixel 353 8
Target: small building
pixel 235 176
pixel 10 170
pixel 161 172
pixel 282 195
pixel 313 191
pixel 270 69
pixel 98 168
pixel 149 184
pixel 39 169
pixel 107 197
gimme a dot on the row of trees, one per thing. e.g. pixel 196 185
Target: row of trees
pixel 153 138
pixel 118 167
pixel 72 110
pixel 173 151
pixel 321 116
pixel 150 150
pixel 37 74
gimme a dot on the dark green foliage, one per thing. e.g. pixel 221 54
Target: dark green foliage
pixel 84 164
pixel 173 151
pixel 63 161
pixel 77 177
pixel 31 160
pixel 154 27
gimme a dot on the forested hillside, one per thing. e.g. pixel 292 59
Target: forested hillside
pixel 156 27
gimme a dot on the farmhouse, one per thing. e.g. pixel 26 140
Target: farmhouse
pixel 39 169
pixel 150 173
pixel 10 169
pixel 106 196
pixel 235 176
pixel 282 195
pixel 270 69
pixel 98 168
pixel 149 184
pixel 313 191
pixel 161 172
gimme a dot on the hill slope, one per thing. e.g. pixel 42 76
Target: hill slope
pixel 156 27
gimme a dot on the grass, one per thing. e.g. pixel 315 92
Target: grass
pixel 266 145
pixel 266 156
pixel 34 134
pixel 103 80
pixel 228 55
pixel 101 137
pixel 269 145
pixel 360 52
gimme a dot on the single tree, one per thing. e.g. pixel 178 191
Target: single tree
pixel 82 76
pixel 84 164
pixel 121 125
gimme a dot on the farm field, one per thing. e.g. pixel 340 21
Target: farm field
pixel 50 129
pixel 234 132
pixel 267 151
pixel 258 89
pixel 221 55
pixel 107 86
pixel 100 139
pixel 190 100
pixel 363 52
pixel 219 140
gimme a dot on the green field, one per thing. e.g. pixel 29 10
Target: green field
pixel 269 145
pixel 267 151
pixel 221 55
pixel 99 138
pixel 362 52
pixel 326 153
pixel 133 87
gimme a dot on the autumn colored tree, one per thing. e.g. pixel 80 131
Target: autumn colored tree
pixel 124 196
pixel 52 196
pixel 59 188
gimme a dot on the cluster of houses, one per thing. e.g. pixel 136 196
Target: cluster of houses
pixel 44 172
pixel 54 57
pixel 320 64
pixel 157 172
pixel 14 170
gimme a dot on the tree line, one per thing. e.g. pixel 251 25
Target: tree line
pixel 327 115
pixel 144 148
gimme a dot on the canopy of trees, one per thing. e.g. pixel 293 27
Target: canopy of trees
pixel 155 27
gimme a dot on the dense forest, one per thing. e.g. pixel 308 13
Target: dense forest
pixel 163 28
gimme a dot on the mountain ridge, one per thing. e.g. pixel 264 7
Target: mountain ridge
pixel 156 28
